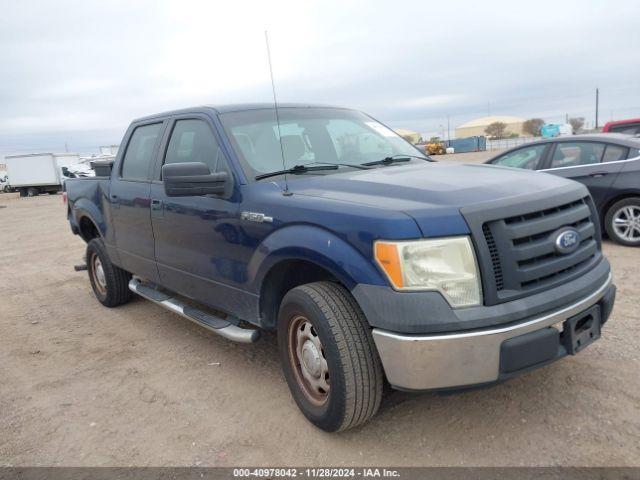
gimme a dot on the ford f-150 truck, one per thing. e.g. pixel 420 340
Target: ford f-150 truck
pixel 372 263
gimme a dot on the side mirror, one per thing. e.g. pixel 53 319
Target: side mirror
pixel 192 179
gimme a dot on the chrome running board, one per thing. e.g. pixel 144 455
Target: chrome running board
pixel 224 327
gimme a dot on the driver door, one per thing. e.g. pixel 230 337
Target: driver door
pixel 198 239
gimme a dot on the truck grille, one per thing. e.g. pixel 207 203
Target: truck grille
pixel 495 257
pixel 521 256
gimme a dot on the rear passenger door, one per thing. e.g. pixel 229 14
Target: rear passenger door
pixel 583 161
pixel 130 200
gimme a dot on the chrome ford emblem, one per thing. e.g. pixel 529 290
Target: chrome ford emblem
pixel 567 240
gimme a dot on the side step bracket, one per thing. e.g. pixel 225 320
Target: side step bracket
pixel 224 327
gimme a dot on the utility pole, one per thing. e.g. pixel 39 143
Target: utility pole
pixel 597 101
pixel 448 129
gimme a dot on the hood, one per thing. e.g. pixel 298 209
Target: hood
pixel 431 193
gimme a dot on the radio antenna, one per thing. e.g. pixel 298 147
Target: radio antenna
pixel 275 105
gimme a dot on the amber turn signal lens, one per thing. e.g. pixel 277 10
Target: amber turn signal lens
pixel 387 257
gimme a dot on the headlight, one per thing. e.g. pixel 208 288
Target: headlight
pixel 447 265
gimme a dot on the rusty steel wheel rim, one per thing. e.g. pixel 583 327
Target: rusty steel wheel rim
pixel 307 357
pixel 97 273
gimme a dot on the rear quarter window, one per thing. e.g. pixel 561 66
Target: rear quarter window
pixel 614 153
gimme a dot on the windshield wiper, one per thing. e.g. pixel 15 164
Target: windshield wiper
pixel 297 169
pixel 396 159
pixel 352 165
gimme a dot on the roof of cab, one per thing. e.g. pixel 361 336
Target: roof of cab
pixel 237 107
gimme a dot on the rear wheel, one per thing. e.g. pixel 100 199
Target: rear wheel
pixel 33 192
pixel 328 356
pixel 109 282
pixel 23 192
pixel 622 221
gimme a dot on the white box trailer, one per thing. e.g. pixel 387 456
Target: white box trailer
pixel 36 173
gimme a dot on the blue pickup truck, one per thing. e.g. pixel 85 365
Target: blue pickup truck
pixel 374 264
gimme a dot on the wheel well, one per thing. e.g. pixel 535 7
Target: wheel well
pixel 283 277
pixel 608 205
pixel 88 229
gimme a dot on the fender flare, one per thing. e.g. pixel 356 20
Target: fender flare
pixel 620 195
pixel 316 245
pixel 85 208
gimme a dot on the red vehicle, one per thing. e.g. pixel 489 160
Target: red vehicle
pixel 630 126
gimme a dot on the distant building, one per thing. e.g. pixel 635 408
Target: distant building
pixel 475 128
pixel 410 135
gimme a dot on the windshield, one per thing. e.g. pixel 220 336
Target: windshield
pixel 309 136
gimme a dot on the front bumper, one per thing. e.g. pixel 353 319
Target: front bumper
pixel 460 359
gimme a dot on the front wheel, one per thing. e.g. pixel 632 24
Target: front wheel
pixel 622 222
pixel 109 282
pixel 328 356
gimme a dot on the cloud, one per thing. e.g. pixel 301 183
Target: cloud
pixel 80 71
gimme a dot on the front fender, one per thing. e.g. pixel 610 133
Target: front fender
pixel 316 245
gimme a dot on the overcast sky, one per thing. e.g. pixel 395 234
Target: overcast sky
pixel 78 72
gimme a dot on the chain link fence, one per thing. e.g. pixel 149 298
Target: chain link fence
pixel 505 143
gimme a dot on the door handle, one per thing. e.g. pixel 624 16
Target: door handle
pixel 598 174
pixel 156 205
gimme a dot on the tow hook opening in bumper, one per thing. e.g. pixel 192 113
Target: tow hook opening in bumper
pixel 464 359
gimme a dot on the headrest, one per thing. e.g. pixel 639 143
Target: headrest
pixel 293 147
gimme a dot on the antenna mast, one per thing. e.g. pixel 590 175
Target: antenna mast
pixel 275 105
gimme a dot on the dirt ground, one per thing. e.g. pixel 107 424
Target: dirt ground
pixel 81 384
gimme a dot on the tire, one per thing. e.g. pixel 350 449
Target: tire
pixel 23 192
pixel 33 192
pixel 110 283
pixel 624 212
pixel 322 323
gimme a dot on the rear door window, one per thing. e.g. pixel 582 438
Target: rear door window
pixel 193 141
pixel 574 154
pixel 136 164
pixel 614 153
pixel 527 157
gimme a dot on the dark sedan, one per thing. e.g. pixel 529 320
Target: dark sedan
pixel 608 164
